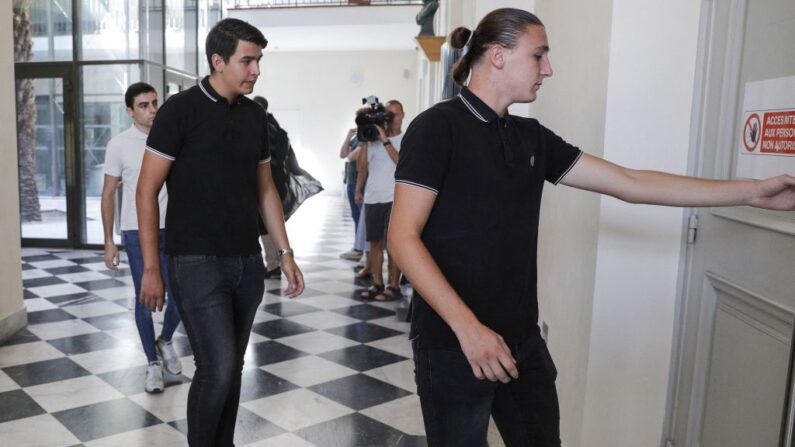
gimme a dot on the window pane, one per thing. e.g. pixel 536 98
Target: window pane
pixel 209 15
pixel 181 44
pixel 50 23
pixel 42 172
pixel 109 30
pixel 154 77
pixel 104 115
pixel 152 30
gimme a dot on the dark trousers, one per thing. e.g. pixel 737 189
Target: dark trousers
pixel 217 299
pixel 456 405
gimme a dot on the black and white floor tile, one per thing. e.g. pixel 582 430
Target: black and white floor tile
pixel 324 369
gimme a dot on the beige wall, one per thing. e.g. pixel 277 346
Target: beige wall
pixel 650 97
pixel 314 95
pixel 12 313
pixel 573 106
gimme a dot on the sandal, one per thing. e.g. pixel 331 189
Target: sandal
pixel 391 293
pixel 373 292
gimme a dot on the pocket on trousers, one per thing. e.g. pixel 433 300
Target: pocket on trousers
pixel 535 361
pixel 196 277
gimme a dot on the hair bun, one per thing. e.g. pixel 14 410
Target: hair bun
pixel 459 37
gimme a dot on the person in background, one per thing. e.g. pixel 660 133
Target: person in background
pixel 351 151
pixel 293 184
pixel 377 163
pixel 123 159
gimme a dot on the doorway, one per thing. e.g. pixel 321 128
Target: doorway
pixel 49 191
pixel 731 386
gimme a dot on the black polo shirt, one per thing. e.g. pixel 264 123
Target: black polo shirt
pixel 216 148
pixel 488 174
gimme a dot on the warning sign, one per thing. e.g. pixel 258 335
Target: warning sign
pixel 751 132
pixel 767 129
pixel 774 135
pixel 778 133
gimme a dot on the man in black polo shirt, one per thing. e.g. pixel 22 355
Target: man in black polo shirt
pixel 211 144
pixel 464 231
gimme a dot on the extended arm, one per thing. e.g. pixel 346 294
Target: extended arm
pixel 108 209
pixel 270 209
pixel 659 188
pixel 154 170
pixel 486 351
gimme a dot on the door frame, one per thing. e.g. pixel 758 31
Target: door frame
pixel 73 160
pixel 768 220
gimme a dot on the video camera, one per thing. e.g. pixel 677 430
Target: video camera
pixel 367 119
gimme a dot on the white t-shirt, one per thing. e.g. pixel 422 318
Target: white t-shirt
pixel 123 158
pixel 380 187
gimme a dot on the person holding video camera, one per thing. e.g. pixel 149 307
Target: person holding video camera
pixel 379 129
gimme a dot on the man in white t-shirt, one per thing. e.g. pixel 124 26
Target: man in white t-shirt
pixel 123 158
pixel 377 168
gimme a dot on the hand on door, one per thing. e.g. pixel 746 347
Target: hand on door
pixel 775 193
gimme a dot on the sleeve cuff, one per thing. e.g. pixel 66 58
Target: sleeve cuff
pixel 160 154
pixel 562 176
pixel 419 185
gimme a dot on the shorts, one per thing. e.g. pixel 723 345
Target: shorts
pixel 376 217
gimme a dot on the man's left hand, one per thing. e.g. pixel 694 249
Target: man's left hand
pixel 295 279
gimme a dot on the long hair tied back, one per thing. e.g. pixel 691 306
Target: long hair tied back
pixel 501 27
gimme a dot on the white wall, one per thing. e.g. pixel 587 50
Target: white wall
pixel 573 106
pixel 650 89
pixel 314 95
pixel 12 313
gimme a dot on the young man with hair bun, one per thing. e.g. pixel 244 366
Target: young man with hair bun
pixel 464 231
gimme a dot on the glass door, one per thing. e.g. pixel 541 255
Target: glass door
pixel 45 149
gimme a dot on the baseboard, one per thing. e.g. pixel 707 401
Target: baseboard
pixel 12 324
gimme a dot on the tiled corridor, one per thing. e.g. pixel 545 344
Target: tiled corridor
pixel 324 369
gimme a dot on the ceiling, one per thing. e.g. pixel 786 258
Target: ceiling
pixel 346 28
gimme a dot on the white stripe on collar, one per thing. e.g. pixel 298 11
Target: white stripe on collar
pixel 201 86
pixel 472 109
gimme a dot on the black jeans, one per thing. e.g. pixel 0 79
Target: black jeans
pixel 217 299
pixel 456 405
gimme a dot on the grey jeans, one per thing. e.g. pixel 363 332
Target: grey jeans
pixel 217 299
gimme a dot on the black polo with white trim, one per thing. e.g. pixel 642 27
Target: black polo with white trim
pixel 216 148
pixel 488 174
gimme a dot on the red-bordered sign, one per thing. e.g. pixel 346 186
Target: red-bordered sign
pixel 752 132
pixel 771 134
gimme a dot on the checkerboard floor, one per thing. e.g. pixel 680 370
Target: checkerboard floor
pixel 324 369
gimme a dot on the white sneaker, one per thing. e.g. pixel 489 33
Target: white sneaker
pixel 352 255
pixel 169 357
pixel 154 377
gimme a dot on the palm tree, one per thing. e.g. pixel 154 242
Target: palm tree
pixel 30 209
